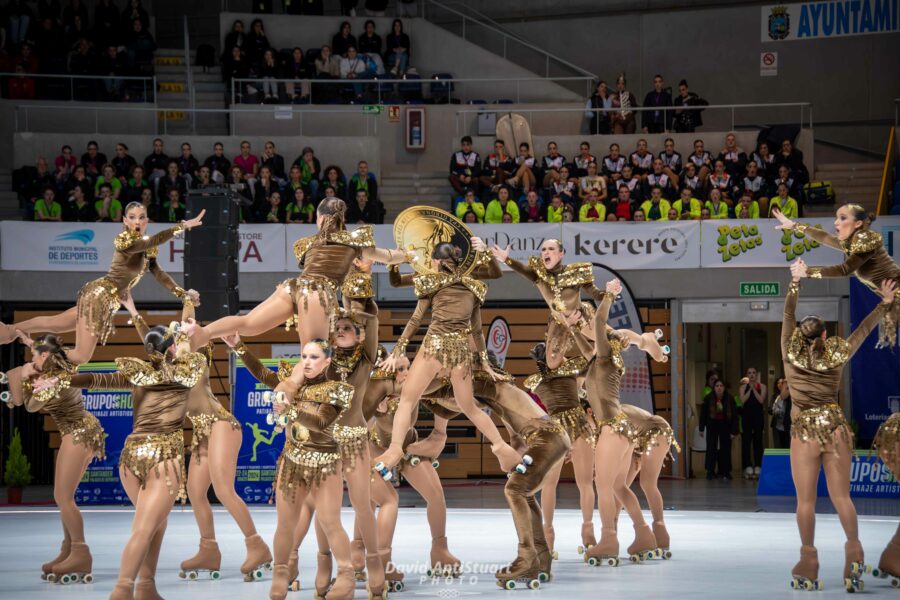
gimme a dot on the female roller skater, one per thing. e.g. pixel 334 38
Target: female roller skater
pixel 887 444
pixel 215 445
pixel 92 317
pixel 820 437
pixel 83 440
pixel 325 260
pixel 864 255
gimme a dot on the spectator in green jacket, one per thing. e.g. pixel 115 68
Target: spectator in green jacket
pixel 716 206
pixel 470 203
pixel 784 202
pixel 687 203
pixel 749 204
pixel 657 207
pixel 47 208
pixel 555 209
pixel 501 205
pixel 592 209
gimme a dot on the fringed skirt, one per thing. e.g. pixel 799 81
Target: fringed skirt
pixel 300 466
pixel 352 443
pixel 451 349
pixel 576 424
pixel 98 302
pixel 302 287
pixel 887 327
pixel 647 441
pixel 142 453
pixel 820 424
pixel 86 431
pixel 621 425
pixel 887 443
pixel 202 425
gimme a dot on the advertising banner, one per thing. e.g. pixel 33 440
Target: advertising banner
pixel 823 20
pixel 499 339
pixel 868 477
pixel 649 245
pixel 731 243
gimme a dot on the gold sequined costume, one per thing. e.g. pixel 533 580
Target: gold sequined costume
pixel 558 390
pixel 561 286
pixel 887 443
pixel 648 428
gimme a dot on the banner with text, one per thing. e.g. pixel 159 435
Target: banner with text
pixel 650 245
pixel 830 19
pixel 868 478
pixel 741 243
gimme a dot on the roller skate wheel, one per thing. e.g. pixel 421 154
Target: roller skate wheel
pixel 666 350
pixel 193 575
pixel 89 578
pixel 4 378
pixel 580 549
pixel 270 419
pixel 658 334
pixel 666 555
pixel 396 586
pixel 430 573
pixel 521 469
pixel 555 555
pixel 435 464
pixel 510 584
pixel 534 584
pixel 43 577
pixel 635 558
pixel 895 582
pixel 593 561
pixel 544 576
pixel 5 397
pixel 414 461
pixel 613 562
pixel 215 575
pixel 527 460
pixel 267 397
pixel 257 574
pixel 859 568
pixel 795 585
pixel 51 577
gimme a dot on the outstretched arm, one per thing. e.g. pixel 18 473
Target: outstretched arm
pixel 819 235
pixel 165 279
pixel 789 321
pixel 370 330
pixel 397 280
pixel 601 343
pixel 502 255
pixel 384 256
pixel 262 373
pixel 850 265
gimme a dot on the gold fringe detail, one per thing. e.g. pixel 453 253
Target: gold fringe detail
pixel 300 467
pixel 887 327
pixel 87 432
pixel 837 352
pixel 345 361
pixel 184 370
pixel 819 424
pixel 302 287
pixel 622 425
pixel 63 381
pixel 429 284
pixel 550 426
pixel 649 440
pixel 887 442
pixel 98 302
pixel 202 426
pixel 352 442
pixel 863 240
pixel 576 424
pixel 141 455
pixel 358 286
pixel 572 275
pixel 572 367
pixel 451 349
pixel 126 239
pixel 361 237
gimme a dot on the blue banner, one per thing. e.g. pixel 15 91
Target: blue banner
pixel 100 484
pixel 261 446
pixel 868 477
pixel 875 373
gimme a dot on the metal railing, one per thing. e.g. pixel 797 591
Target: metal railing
pixel 885 191
pixel 378 90
pixel 189 76
pixel 86 88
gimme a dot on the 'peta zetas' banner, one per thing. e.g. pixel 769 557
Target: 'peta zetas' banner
pixel 823 20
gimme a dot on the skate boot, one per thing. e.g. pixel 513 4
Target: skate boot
pixel 854 566
pixel 748 473
pixel 662 540
pixel 522 571
pixel 258 560
pixel 805 574
pixel 650 344
pixel 76 567
pixel 377 586
pixel 606 552
pixel 550 536
pixel 545 565
pixel 587 538
pixel 889 564
pixel 358 559
pixel 145 589
pixel 47 568
pixel 280 581
pixel 443 563
pixel 393 577
pixel 344 585
pixel 323 575
pixel 644 545
pixel 208 558
pixel 294 571
pixel 124 590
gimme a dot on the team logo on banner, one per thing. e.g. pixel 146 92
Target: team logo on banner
pixel 61 253
pixel 498 339
pixel 779 23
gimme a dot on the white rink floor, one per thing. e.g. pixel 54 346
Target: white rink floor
pixel 716 555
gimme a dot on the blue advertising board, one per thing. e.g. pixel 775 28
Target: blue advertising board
pixel 868 477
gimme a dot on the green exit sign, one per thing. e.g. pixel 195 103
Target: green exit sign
pixel 751 289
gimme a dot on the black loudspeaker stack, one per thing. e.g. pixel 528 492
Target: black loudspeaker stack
pixel 211 252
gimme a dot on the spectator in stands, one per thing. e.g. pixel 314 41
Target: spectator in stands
pixel 470 204
pixel 784 202
pixel 689 178
pixel 93 160
pixel 135 185
pixel 300 210
pixel 109 210
pixel 172 180
pixel 623 120
pixel 122 162
pixel 687 118
pixel 747 203
pixel 297 71
pixel 568 214
pixel 566 187
pixel 555 209
pixel 256 43
pixel 532 209
pixel 140 47
pixel 780 410
pixel 672 215
pixel 397 48
pixel 765 161
pixel 248 163
pixel 47 208
pixel 21 87
pixel 26 59
pixel 188 166
pixel 718 209
pixel 551 164
pixel 657 121
pixel 72 12
pixel 65 165
pixel 237 180
pixel 632 183
pixel 704 214
pixel 718 418
pixel 234 70
pixel 268 72
pixel 702 160
pixel 756 185
pixel 639 216
pixel 76 32
pixel 657 177
pixel 657 207
pixel 204 178
pixel 218 164
pixel 787 178
pixel 135 11
pixel 734 158
pixel 146 200
pixel 793 159
pixel 108 176
pixel 501 205
pixel 363 180
pixel 582 160
pixel 329 193
pixel 263 189
pixel 342 40
pixel 613 163
pixel 310 169
pixel 155 163
pixel 623 205
pixel 641 160
pixel 79 208
pixel 721 180
pixel 370 42
pixel 469 217
pixel 497 167
pixel 363 209
pixel 79 177
pixel 592 181
pixel 334 177
pixel 611 217
pixel 106 24
pixel 601 99
pixel 524 177
pixel 354 66
pixel 327 66
pixel 30 186
pixel 294 179
pixel 173 209
pixel 20 17
pixel 592 210
pixel 236 38
pixel 465 167
pixel 686 203
pixel 83 62
pixel 672 161
pixel 274 161
pixel 275 212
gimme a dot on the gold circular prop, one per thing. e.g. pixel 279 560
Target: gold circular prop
pixel 419 229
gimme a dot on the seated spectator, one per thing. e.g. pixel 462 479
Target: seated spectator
pixel 734 158
pixel 363 180
pixel 639 216
pixel 623 204
pixel 749 205
pixel 592 181
pixel 172 211
pixel 237 181
pixel 354 66
pixel 611 217
pixel 613 163
pixel 702 160
pixel 532 209
pixel 135 185
pixel 672 215
pixel 569 214
pixel 641 160
pixel 334 177
pixel 297 71
pixel 264 187
pixel 497 167
pixel 47 208
pixel 294 179
pixel 123 162
pixel 109 177
pixel 465 167
pixel 658 177
pixel 362 209
pixel 328 193
pixel 501 205
pixel 156 162
pixel 270 158
pixel 686 203
pixel 219 165
pixel 721 180
pixel 147 201
pixel 370 42
pixel 267 72
pixel 76 33
pixel 469 217
pixel 248 164
pixel 65 165
pixel 79 207
pixel 566 187
pixel 524 177
pixel 793 159
pixel 21 87
pixel 592 210
pixel 25 60
pixel 234 39
pixel 784 202
pixel 140 47
pixel 623 121
pixel 342 40
pixel 51 45
pixel 78 178
pixel 718 208
pixel 397 48
pixel 188 166
pixel 301 210
pixel 580 163
pixel 310 169
pixel 83 62
pixel 32 183
pixel 787 178
pixel 765 161
pixel 632 183
pixel 327 65
pixel 657 121
pixel 756 185
pixel 93 160
pixel 204 178
pixel 689 178
pixel 551 164
pixel 171 181
pixel 704 214
pixel 672 161
pixel 256 43
pixel 657 207
pixel 235 70
pixel 108 209
pixel 275 212
pixel 555 209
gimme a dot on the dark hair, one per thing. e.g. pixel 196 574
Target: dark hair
pixel 683 82
pixel 345 24
pixel 254 22
pixel 394 23
pixel 158 339
pixel 92 143
pixel 466 139
pixel 859 213
pixel 525 144
pixel 812 328
pixel 448 254
pixel 539 353
pixel 324 345
pixel 499 141
pixel 334 211
pixel 52 344
pixel 123 145
pixel 369 22
pixel 63 149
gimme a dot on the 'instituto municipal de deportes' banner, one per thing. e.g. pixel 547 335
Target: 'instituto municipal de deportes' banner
pixel 823 20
